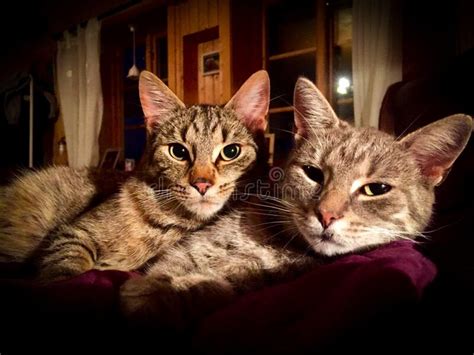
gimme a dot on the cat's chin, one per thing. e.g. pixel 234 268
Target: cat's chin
pixel 329 248
pixel 312 231
pixel 204 209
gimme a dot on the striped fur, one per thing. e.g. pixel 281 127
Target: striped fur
pixel 153 208
pixel 269 239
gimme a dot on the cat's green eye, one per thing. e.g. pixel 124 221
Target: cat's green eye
pixel 314 173
pixel 230 152
pixel 178 151
pixel 375 189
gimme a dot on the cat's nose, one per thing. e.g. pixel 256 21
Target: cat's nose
pixel 328 217
pixel 201 185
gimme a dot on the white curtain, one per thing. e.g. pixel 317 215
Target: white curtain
pixel 80 93
pixel 376 56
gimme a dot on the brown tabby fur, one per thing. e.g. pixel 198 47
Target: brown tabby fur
pixel 155 207
pixel 268 239
pixel 38 201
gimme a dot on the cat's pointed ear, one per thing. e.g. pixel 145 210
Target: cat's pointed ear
pixel 312 110
pixel 251 101
pixel 436 146
pixel 156 98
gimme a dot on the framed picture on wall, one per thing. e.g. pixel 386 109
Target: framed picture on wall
pixel 110 158
pixel 210 63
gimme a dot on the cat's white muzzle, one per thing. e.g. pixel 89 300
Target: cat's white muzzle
pixel 325 242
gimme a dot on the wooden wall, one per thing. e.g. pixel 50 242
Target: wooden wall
pixel 246 45
pixel 209 86
pixel 192 17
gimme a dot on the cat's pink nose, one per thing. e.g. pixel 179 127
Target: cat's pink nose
pixel 202 185
pixel 328 217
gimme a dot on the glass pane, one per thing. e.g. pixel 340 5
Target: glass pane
pixel 283 74
pixel 343 84
pixel 291 26
pixel 162 47
pixel 135 140
pixel 134 133
pixel 131 101
pixel 281 124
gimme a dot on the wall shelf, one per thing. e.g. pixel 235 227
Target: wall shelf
pixel 292 53
pixel 281 109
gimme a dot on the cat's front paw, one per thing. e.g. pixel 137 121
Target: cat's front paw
pixel 151 302
pixel 172 303
pixel 52 274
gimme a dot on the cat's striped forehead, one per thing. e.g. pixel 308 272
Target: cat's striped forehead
pixel 203 124
pixel 362 152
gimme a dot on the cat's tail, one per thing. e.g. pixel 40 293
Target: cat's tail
pixel 37 202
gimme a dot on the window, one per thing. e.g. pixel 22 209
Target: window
pixel 134 128
pixel 152 55
pixel 311 38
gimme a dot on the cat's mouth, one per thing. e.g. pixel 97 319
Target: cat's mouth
pixel 323 241
pixel 327 235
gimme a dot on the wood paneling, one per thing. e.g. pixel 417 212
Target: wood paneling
pixel 322 57
pixel 111 133
pixel 247 45
pixel 210 86
pixel 225 55
pixel 191 64
pixel 192 17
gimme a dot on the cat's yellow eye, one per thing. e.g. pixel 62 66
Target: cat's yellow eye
pixel 230 152
pixel 375 189
pixel 178 151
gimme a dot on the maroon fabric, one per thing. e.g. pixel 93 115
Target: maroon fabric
pixel 312 310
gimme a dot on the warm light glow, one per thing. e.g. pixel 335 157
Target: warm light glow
pixel 343 85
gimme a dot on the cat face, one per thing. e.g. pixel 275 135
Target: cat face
pixel 352 188
pixel 198 154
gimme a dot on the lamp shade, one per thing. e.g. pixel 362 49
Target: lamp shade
pixel 133 73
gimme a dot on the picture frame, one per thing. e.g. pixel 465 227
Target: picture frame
pixel 210 63
pixel 110 158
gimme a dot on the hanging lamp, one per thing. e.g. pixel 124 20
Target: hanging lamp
pixel 133 72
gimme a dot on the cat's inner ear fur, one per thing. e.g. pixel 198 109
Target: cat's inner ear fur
pixel 312 110
pixel 251 102
pixel 436 146
pixel 157 100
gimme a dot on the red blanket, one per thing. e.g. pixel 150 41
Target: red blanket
pixel 312 312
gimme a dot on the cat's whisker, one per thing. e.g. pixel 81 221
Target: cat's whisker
pixel 253 212
pixel 294 235
pixel 393 233
pixel 267 206
pixel 440 228
pixel 271 223
pixel 273 236
pixel 267 198
pixel 412 123
pixel 277 97
pixel 306 139
pixel 295 109
pixel 266 203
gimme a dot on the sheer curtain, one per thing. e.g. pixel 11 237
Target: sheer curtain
pixel 80 93
pixel 377 56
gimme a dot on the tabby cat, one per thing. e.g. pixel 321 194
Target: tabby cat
pixel 195 158
pixel 345 189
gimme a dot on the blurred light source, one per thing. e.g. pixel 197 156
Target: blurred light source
pixel 342 85
pixel 133 72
